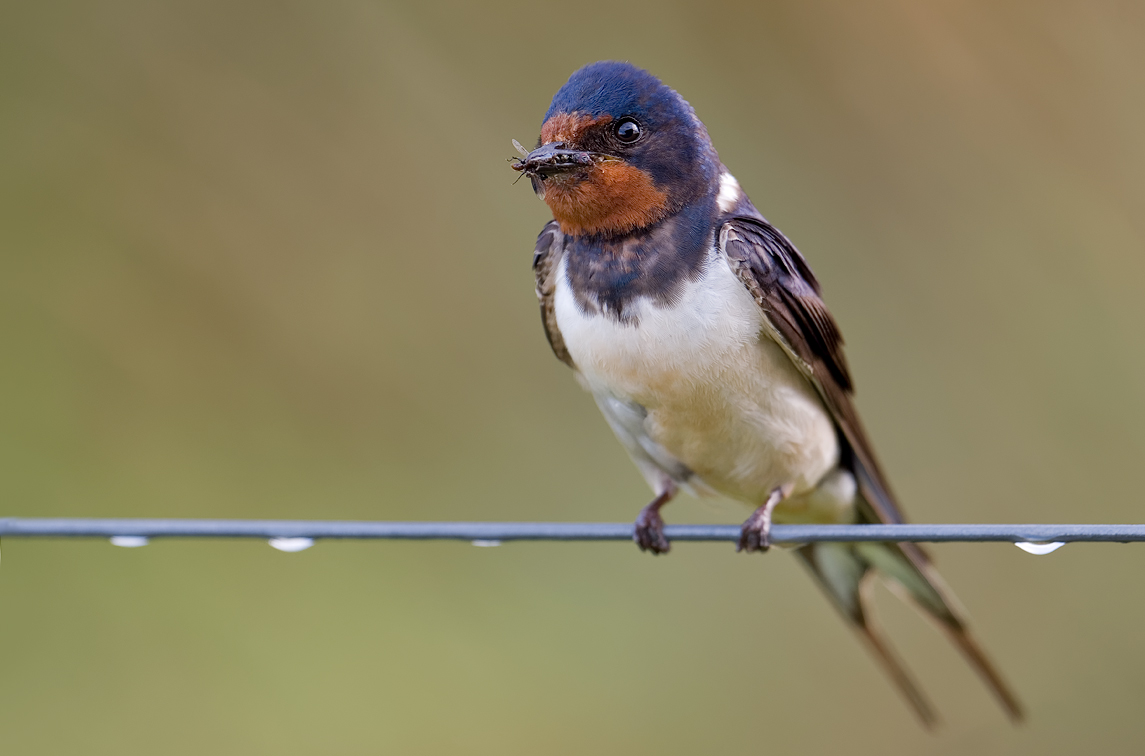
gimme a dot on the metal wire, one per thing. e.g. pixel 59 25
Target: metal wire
pixel 493 532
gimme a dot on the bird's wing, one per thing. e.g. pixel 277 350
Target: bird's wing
pixel 546 260
pixel 786 290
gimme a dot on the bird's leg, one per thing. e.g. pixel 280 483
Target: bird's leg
pixel 648 530
pixel 756 533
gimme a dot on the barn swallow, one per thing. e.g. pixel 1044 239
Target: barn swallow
pixel 699 330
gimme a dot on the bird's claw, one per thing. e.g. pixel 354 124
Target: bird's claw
pixel 648 531
pixel 756 532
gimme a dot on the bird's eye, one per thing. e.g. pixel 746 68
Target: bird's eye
pixel 628 131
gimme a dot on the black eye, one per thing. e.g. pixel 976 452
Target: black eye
pixel 628 131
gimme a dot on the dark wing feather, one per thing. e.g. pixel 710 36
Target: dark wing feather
pixel 546 259
pixel 784 286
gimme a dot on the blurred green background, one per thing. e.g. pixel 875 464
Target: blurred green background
pixel 266 260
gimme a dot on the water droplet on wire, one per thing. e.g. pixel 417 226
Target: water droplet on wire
pixel 1033 547
pixel 291 544
pixel 129 542
pixel 486 543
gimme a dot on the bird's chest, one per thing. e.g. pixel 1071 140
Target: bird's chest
pixel 663 349
pixel 691 383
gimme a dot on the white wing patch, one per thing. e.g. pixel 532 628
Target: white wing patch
pixel 730 193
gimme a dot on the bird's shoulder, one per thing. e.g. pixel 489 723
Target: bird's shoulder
pixel 783 285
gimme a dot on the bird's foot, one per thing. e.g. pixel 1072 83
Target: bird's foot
pixel 756 532
pixel 648 530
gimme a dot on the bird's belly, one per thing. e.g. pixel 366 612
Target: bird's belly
pixel 694 390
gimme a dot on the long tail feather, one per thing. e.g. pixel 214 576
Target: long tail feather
pixel 987 671
pixel 898 673
pixel 845 576
pixel 950 616
pixel 845 572
pixel 909 569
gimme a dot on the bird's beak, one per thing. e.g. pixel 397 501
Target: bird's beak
pixel 553 158
pixel 549 161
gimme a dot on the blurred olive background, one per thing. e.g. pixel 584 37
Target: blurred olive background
pixel 266 260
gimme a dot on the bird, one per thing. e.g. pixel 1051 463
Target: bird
pixel 701 333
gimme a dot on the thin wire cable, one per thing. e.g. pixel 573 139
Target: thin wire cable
pixel 491 532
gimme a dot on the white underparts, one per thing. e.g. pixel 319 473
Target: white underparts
pixel 696 392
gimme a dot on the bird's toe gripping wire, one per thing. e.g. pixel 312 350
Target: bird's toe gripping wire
pixel 756 532
pixel 648 530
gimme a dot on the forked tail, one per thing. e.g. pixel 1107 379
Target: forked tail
pixel 845 571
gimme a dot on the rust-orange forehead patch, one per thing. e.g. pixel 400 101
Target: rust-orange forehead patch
pixel 569 127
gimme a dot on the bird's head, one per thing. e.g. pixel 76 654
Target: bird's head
pixel 618 152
